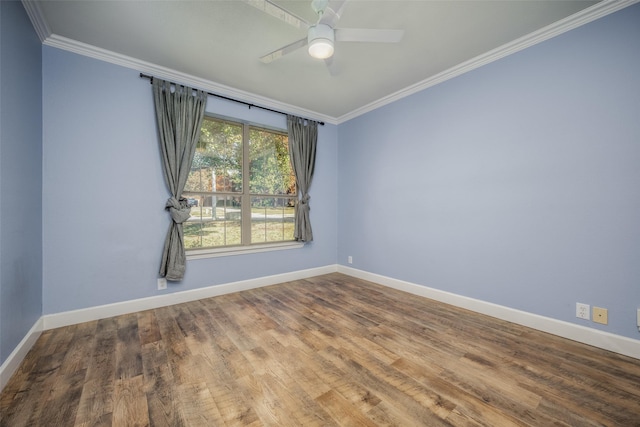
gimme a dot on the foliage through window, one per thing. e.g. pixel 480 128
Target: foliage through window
pixel 241 187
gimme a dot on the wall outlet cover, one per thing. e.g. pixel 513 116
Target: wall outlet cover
pixel 600 315
pixel 582 311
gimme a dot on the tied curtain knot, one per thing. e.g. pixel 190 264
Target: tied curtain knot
pixel 304 201
pixel 179 209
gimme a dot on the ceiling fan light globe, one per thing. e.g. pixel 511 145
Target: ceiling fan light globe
pixel 321 48
pixel 320 40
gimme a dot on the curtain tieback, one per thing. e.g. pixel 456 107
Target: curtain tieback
pixel 305 200
pixel 178 209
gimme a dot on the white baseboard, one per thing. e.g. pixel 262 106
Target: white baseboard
pixel 594 337
pixel 51 321
pixel 73 317
pixel 16 357
pixel 605 340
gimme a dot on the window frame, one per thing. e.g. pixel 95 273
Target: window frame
pixel 245 196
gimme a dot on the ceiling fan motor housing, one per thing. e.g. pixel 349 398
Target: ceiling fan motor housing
pixel 320 40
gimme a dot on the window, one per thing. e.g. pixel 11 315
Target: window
pixel 241 187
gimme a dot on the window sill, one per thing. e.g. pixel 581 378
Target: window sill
pixel 241 250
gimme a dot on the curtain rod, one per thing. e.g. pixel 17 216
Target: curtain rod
pixel 144 76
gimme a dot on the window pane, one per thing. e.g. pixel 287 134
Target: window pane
pixel 217 162
pixel 197 205
pixel 192 235
pixel 270 167
pixel 272 219
pixel 215 221
pixel 216 194
pixel 200 179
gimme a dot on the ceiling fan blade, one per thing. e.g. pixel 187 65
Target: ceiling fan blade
pixel 331 66
pixel 367 35
pixel 276 54
pixel 278 12
pixel 332 13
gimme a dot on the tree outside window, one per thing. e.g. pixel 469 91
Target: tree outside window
pixel 241 187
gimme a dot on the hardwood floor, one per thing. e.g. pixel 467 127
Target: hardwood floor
pixel 332 350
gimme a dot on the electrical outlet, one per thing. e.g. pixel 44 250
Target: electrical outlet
pixel 350 259
pixel 600 315
pixel 582 311
pixel 162 283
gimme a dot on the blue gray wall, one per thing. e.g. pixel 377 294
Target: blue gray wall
pixel 104 192
pixel 514 184
pixel 517 183
pixel 20 176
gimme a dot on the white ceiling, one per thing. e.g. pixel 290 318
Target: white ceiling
pixel 215 45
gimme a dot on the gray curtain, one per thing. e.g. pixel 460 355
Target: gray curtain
pixel 179 114
pixel 303 138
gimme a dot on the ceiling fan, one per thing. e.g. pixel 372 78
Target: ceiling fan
pixel 322 35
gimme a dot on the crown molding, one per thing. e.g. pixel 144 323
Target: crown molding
pixel 144 67
pixel 37 19
pixel 585 16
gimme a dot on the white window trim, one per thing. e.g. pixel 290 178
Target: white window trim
pixel 241 250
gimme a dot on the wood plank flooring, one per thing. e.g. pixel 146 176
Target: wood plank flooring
pixel 328 351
